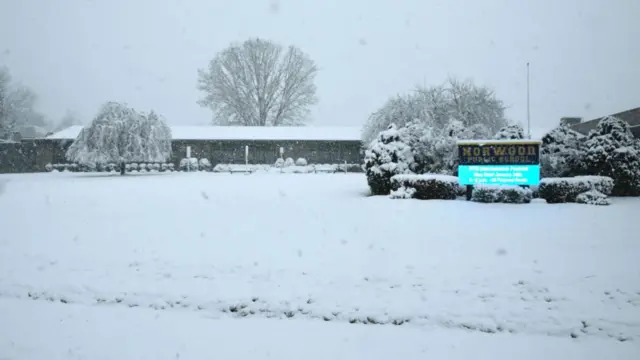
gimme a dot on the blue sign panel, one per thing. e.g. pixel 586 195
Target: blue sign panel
pixel 499 174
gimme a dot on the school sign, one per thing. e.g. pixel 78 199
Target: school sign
pixel 499 162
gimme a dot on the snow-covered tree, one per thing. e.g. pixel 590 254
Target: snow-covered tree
pixel 560 149
pixel 400 110
pixel 510 132
pixel 259 83
pixel 611 150
pixel 119 134
pixel 386 156
pixel 438 106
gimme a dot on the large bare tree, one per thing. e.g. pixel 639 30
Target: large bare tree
pixel 259 83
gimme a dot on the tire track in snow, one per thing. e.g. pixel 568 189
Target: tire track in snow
pixel 284 310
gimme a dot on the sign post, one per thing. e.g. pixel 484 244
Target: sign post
pixel 246 155
pixel 188 158
pixel 498 162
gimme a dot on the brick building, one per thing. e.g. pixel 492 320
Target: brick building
pixel 219 144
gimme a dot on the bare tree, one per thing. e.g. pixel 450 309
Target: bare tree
pixel 5 80
pixel 17 105
pixel 258 83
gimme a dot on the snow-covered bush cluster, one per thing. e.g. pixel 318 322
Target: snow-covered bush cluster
pixel 188 164
pixel 609 150
pixel 111 167
pixel 567 190
pixel 424 187
pixel 509 194
pixel 295 169
pixel 301 162
pixel 419 149
pixel 120 135
pixel 61 167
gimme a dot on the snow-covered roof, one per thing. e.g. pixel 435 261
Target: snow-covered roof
pixel 69 133
pixel 207 132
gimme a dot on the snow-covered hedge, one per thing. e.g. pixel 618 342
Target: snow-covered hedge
pixel 279 162
pixel 563 190
pixel 301 162
pixel 510 194
pixel 289 162
pixel 593 197
pixel 426 186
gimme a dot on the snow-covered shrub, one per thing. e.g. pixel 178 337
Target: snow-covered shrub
pixel 221 168
pixel 110 167
pixel 612 150
pixel 279 163
pixel 403 193
pixel 510 132
pixel 387 156
pixel 509 194
pixel 301 162
pixel 349 168
pixel 593 197
pixel 133 166
pixel 48 167
pixel 204 164
pixel 155 166
pixel 563 190
pixel 142 167
pixel 427 186
pixel 189 164
pixel 172 166
pixel 559 152
pixel 289 162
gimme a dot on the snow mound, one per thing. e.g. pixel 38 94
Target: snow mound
pixel 593 197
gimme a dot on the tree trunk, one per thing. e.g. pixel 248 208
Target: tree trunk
pixel 122 168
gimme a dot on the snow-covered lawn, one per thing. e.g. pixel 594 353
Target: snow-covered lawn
pixel 170 252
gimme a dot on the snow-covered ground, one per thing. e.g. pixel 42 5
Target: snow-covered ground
pixel 91 260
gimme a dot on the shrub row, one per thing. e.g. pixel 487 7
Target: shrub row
pixel 424 187
pixel 110 167
pixel 294 169
pixel 508 194
pixel 582 189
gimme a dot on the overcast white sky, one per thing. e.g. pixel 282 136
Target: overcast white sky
pixel 584 54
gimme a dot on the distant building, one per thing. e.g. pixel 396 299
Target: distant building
pixel 632 117
pixel 219 144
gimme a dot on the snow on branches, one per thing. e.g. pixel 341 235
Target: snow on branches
pixel 119 134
